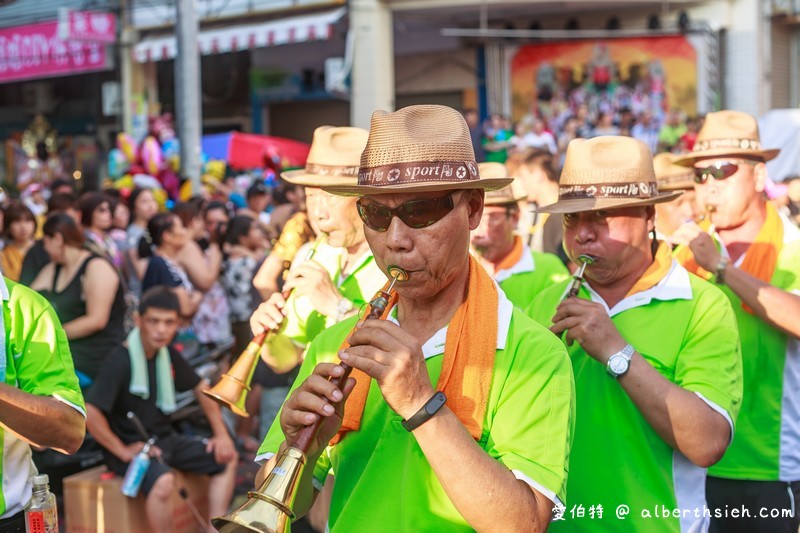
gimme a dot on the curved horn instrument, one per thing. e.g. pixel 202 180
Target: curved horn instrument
pixel 233 386
pixel 269 509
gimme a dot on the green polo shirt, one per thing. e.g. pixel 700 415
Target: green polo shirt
pixel 534 272
pixel 685 328
pixel 34 358
pixel 303 322
pixel 382 477
pixel 767 442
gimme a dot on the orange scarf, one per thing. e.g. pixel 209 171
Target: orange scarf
pixel 512 258
pixel 761 256
pixel 657 270
pixel 468 362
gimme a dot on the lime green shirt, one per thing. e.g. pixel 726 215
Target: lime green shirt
pixel 767 442
pixel 303 322
pixel 382 477
pixel 34 358
pixel 685 328
pixel 534 272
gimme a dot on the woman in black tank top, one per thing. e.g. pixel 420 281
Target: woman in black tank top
pixel 86 294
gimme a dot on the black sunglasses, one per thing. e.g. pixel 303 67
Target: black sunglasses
pixel 719 171
pixel 415 214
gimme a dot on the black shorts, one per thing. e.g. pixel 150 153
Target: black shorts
pixel 187 454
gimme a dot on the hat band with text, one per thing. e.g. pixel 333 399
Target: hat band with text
pixel 642 190
pixel 419 172
pixel 714 144
pixel 331 170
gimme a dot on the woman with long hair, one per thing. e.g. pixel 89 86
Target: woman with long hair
pixel 166 236
pixel 18 233
pixel 86 293
pixel 97 220
pixel 143 207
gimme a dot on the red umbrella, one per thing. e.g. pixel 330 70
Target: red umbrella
pixel 244 151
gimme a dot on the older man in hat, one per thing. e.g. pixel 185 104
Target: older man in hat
pixel 654 349
pixel 520 272
pixel 459 417
pixel 753 253
pixel 330 278
pixel 673 214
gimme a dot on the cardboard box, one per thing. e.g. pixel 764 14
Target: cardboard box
pixel 93 503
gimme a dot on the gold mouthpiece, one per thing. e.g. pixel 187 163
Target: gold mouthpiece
pixel 398 273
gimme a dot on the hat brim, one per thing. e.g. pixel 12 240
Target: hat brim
pixel 691 158
pixel 302 177
pixel 489 184
pixel 577 205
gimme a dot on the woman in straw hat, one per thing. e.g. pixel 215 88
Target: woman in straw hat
pixel 753 253
pixel 654 350
pixel 489 449
pixel 520 272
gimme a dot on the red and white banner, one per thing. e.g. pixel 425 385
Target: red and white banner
pixel 95 26
pixel 314 27
pixel 36 51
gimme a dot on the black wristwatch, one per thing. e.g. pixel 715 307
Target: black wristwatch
pixel 430 408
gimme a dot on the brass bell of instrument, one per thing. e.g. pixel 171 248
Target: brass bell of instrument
pixel 268 509
pixel 234 385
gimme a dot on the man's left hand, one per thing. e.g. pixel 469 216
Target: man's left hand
pixel 588 323
pixel 311 280
pixel 393 357
pixel 223 448
pixel 705 251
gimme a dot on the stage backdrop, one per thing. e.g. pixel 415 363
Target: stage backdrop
pixel 647 73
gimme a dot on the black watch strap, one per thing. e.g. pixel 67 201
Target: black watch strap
pixel 430 408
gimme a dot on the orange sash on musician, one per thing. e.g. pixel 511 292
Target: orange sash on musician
pixel 468 362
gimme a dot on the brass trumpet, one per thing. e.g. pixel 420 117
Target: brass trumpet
pixel 233 386
pixel 269 509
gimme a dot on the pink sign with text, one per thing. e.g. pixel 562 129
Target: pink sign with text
pixel 36 51
pixel 87 26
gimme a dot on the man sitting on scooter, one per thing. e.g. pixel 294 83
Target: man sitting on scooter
pixel 142 376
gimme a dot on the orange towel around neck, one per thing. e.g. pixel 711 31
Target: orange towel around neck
pixel 468 362
pixel 512 258
pixel 657 270
pixel 761 257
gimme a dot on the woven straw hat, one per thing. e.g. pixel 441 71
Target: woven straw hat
pixel 333 158
pixel 671 177
pixel 418 148
pixel 604 173
pixel 507 195
pixel 727 133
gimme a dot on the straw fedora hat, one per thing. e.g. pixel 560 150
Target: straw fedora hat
pixel 669 176
pixel 727 133
pixel 604 173
pixel 418 148
pixel 507 195
pixel 333 158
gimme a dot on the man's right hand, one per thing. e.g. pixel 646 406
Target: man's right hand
pixel 316 397
pixel 130 451
pixel 269 315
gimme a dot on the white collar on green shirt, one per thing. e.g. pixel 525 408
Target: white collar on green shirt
pixel 525 264
pixel 4 289
pixel 674 286
pixel 435 345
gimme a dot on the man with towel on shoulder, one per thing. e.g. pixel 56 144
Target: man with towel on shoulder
pixel 142 377
pixel 460 408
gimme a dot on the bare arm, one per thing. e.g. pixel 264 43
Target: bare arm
pixel 100 286
pixel 266 279
pixel 41 420
pixel 202 269
pixel 97 424
pixel 774 306
pixel 190 302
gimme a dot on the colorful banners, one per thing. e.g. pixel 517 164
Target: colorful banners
pixel 86 26
pixel 641 74
pixel 36 51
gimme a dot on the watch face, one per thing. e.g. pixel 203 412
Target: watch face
pixel 618 365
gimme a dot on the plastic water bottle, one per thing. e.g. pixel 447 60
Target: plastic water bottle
pixel 41 515
pixel 136 471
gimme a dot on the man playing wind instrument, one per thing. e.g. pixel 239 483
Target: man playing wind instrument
pixel 459 417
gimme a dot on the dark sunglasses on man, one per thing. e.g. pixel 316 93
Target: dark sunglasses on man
pixel 416 214
pixel 721 170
